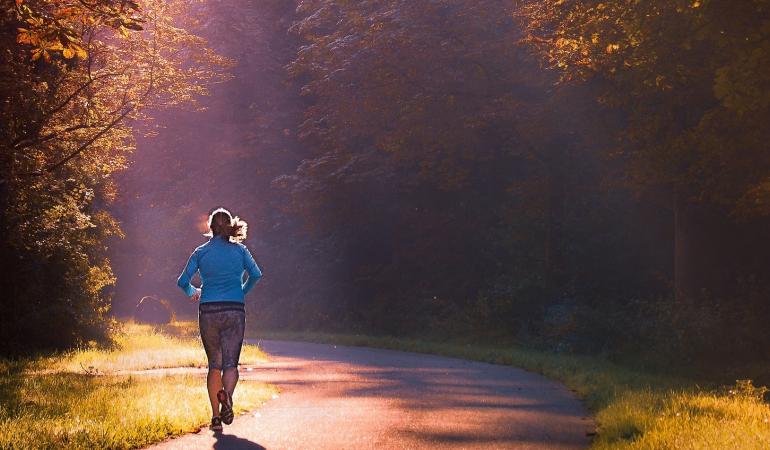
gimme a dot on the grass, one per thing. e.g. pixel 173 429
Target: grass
pixel 633 409
pixel 683 419
pixel 51 402
pixel 140 347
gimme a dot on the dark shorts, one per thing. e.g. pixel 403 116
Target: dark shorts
pixel 222 325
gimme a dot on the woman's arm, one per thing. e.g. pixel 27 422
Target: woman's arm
pixel 253 270
pixel 184 279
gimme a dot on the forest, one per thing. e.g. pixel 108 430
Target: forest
pixel 579 176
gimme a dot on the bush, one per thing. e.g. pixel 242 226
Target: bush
pixel 153 311
pixel 698 333
pixel 50 301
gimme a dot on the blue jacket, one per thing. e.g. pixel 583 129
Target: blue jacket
pixel 221 264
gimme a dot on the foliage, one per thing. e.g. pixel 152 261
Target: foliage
pixel 78 77
pixel 689 76
pixel 56 27
pixel 528 171
pixel 451 168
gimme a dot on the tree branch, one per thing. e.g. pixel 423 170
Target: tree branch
pixel 28 137
pixel 111 125
pixel 81 148
pixel 49 136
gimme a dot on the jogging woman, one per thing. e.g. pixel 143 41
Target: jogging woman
pixel 221 314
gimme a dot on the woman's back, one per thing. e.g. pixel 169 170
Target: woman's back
pixel 221 264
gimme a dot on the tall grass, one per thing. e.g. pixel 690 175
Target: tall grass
pixel 77 411
pixel 633 409
pixel 78 399
pixel 139 347
pixel 683 419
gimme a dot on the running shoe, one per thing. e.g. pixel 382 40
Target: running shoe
pixel 216 424
pixel 226 401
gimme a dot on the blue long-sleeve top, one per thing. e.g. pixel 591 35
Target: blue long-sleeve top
pixel 221 264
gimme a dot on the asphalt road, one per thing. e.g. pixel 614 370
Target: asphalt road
pixel 336 397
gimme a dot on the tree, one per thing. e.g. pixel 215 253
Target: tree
pixel 687 75
pixel 79 78
pixel 450 167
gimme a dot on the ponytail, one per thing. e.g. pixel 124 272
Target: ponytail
pixel 222 223
pixel 238 230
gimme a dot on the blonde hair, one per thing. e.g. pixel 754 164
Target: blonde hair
pixel 222 223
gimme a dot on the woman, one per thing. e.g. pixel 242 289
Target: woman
pixel 221 314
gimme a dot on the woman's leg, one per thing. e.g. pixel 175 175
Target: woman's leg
pixel 209 330
pixel 229 379
pixel 214 385
pixel 232 341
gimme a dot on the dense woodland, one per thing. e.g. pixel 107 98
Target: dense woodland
pixel 584 176
pixel 77 81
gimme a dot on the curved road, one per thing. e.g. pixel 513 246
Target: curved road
pixel 335 397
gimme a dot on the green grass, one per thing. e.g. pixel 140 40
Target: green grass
pixel 140 347
pixel 633 409
pixel 51 402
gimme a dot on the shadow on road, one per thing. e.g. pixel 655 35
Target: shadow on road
pixel 230 442
pixel 437 401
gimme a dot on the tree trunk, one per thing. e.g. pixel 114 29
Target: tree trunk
pixel 684 277
pixel 554 218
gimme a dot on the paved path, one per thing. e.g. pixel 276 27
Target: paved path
pixel 336 397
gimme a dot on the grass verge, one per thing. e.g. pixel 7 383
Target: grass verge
pixel 51 402
pixel 633 409
pixel 140 347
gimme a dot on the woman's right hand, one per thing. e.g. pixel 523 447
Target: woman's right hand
pixel 197 295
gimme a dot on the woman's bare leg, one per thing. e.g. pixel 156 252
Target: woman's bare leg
pixel 214 385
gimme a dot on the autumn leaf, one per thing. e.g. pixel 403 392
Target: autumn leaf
pixel 133 26
pixel 80 51
pixel 24 37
